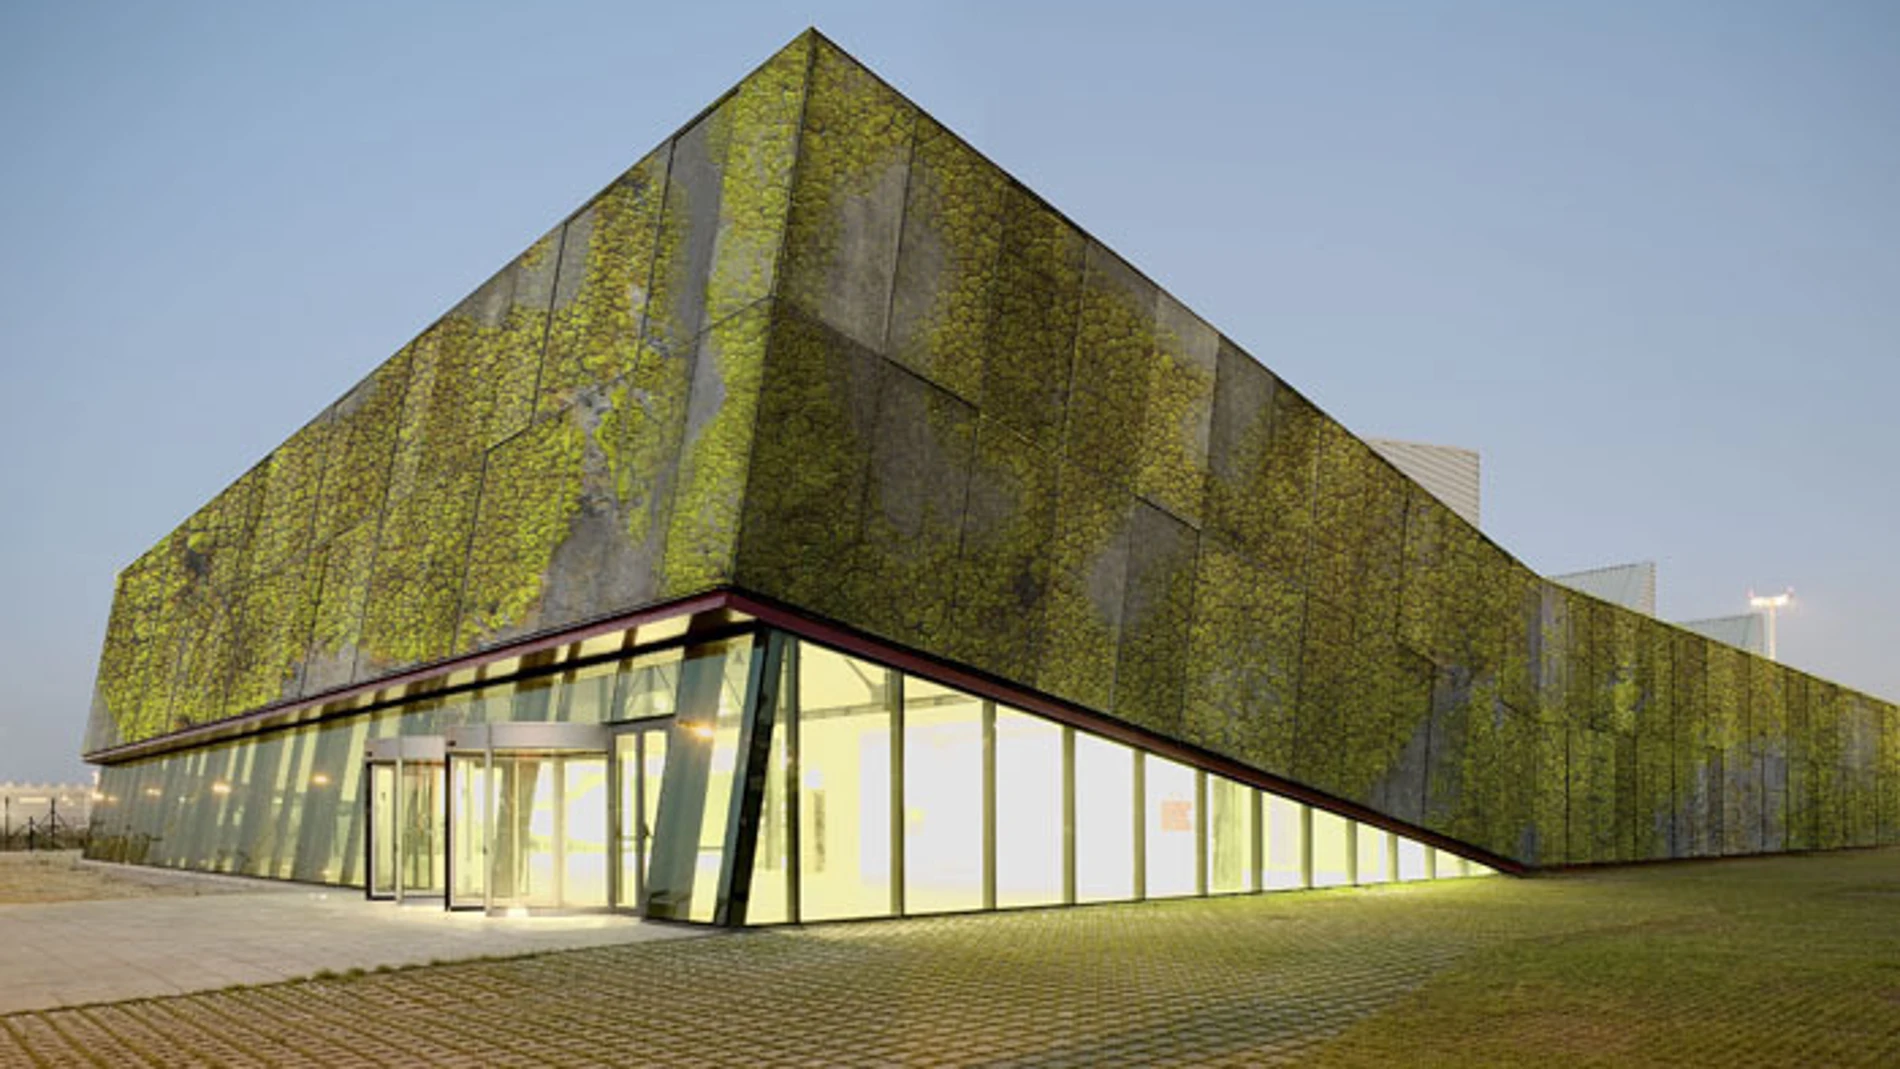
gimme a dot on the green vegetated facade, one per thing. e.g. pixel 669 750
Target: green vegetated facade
pixel 569 440
pixel 995 442
pixel 817 348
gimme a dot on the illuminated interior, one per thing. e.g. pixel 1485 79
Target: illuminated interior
pixel 874 792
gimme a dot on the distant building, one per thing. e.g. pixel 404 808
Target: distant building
pixel 1448 471
pixel 1632 586
pixel 1746 631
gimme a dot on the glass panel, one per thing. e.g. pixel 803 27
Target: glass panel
pixel 1374 845
pixel 588 695
pixel 844 818
pixel 1332 859
pixel 1028 809
pixel 1411 860
pixel 1229 836
pixel 724 738
pixel 689 824
pixel 382 806
pixel 583 844
pixel 943 799
pixel 642 758
pixel 422 829
pixel 1105 813
pixel 652 775
pixel 770 901
pixel 468 830
pixel 1282 869
pixel 627 820
pixel 649 686
pixel 1172 838
pixel 523 871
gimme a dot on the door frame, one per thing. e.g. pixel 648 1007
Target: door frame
pixel 400 753
pixel 490 742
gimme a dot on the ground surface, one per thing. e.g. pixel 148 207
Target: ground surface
pixel 1786 961
pixel 61 877
pixel 192 932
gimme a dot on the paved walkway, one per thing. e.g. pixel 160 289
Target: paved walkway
pixel 1739 964
pixel 256 932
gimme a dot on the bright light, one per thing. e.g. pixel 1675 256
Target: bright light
pixel 220 788
pixel 320 780
pixel 1770 607
pixel 153 792
pixel 701 731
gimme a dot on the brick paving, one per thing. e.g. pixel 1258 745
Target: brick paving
pixel 1261 980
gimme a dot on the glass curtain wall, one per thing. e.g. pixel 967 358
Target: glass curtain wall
pixel 290 804
pixel 911 797
pixel 878 793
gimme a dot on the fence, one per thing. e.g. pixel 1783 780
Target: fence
pixel 43 831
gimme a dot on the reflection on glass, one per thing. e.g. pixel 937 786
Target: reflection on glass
pixel 1028 810
pixel 1105 813
pixel 712 826
pixel 1171 815
pixel 770 901
pixel 1283 869
pixel 582 838
pixel 652 775
pixel 589 693
pixel 1373 845
pixel 641 756
pixel 468 829
pixel 650 686
pixel 383 838
pixel 1332 850
pixel 1229 836
pixel 421 842
pixel 943 799
pixel 521 866
pixel 689 833
pixel 844 819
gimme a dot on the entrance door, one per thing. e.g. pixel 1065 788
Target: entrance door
pixel 469 800
pixel 547 830
pixel 640 757
pixel 405 829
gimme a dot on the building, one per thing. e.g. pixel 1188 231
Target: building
pixel 819 524
pixel 1632 586
pixel 1743 631
pixel 1449 472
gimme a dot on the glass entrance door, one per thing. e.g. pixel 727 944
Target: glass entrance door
pixel 640 759
pixel 546 830
pixel 405 822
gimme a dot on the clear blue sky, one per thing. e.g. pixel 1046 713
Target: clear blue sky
pixel 1645 256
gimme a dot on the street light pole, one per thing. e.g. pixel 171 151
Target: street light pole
pixel 1768 606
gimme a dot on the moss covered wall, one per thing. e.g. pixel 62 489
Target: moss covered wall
pixel 569 440
pixel 994 441
pixel 818 347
